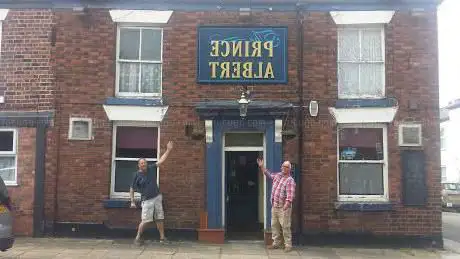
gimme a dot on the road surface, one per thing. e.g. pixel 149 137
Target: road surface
pixel 451 226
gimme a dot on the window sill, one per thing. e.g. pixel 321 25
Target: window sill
pixel 119 203
pixel 364 206
pixel 11 184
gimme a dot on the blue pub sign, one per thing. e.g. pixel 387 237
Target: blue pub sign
pixel 242 55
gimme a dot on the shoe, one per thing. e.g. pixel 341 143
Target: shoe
pixel 274 247
pixel 287 249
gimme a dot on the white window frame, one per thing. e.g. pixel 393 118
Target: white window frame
pixel 362 28
pixel 90 128
pixel 116 124
pixel 443 177
pixel 442 138
pixel 384 162
pixel 401 136
pixel 118 60
pixel 13 153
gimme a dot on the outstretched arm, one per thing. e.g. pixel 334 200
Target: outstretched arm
pixel 267 173
pixel 169 147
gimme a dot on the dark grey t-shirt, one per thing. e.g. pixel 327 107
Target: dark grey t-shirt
pixel 146 183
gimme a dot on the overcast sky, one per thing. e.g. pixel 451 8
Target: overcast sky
pixel 449 50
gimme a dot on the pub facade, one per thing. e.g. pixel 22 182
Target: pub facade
pixel 348 93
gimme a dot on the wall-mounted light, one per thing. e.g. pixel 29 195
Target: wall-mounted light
pixel 313 108
pixel 244 102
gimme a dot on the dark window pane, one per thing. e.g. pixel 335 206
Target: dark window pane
pixel 244 139
pixel 6 140
pixel 129 44
pixel 151 45
pixel 124 173
pixel 136 142
pixel 361 179
pixel 361 144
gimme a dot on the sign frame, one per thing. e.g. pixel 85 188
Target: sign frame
pixel 284 65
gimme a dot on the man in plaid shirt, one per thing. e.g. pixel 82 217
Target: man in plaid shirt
pixel 283 193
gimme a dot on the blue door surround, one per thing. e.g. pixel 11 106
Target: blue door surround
pixel 225 118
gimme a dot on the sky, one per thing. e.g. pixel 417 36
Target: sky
pixel 449 51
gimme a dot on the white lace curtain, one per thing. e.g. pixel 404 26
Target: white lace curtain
pixel 8 168
pixel 140 60
pixel 361 63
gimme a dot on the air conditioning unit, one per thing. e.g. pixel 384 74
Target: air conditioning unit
pixel 410 135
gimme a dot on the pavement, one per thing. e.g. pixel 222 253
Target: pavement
pixel 451 231
pixel 64 248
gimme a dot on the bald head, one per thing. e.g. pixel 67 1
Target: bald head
pixel 286 167
pixel 142 164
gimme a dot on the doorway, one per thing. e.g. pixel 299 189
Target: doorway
pixel 244 187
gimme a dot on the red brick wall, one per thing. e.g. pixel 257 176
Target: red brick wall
pixel 25 60
pixel 85 74
pixel 27 81
pixel 22 196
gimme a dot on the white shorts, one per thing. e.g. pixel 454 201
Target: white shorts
pixel 152 209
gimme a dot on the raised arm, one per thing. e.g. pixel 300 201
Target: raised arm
pixel 169 147
pixel 260 162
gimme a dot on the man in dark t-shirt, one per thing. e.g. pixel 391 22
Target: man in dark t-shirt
pixel 145 183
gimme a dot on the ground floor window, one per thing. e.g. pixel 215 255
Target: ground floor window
pixel 362 163
pixel 131 142
pixel 8 156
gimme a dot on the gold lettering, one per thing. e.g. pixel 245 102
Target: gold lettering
pixel 236 70
pixel 247 70
pixel 246 48
pixel 227 49
pixel 260 72
pixel 268 45
pixel 213 66
pixel 214 48
pixel 257 48
pixel 225 73
pixel 269 71
pixel 237 48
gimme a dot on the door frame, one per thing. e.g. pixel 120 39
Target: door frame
pixel 224 179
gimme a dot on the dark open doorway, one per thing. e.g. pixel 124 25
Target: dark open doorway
pixel 244 190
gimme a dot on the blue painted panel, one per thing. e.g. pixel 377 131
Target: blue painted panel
pixel 364 206
pixel 354 103
pixel 242 55
pixel 269 158
pixel 214 182
pixel 345 5
pixel 133 101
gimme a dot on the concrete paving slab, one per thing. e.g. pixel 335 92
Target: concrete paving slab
pixel 317 253
pixel 240 248
pixel 195 256
pixel 198 248
pixel 243 256
pixel 148 255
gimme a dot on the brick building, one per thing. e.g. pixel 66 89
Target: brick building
pixel 347 92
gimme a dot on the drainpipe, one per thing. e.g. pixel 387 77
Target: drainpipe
pixel 300 118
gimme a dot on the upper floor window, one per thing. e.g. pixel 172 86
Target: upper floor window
pixel 361 62
pixel 139 61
